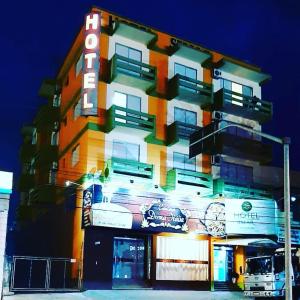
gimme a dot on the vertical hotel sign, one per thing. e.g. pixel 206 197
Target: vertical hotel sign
pixel 91 64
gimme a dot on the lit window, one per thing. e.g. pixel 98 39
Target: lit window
pixel 77 110
pixel 75 156
pixel 182 161
pixel 54 138
pixel 34 137
pixel 52 176
pixel 56 100
pixel 79 65
pixel 126 150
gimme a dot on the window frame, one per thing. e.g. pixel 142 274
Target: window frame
pixel 185 159
pixel 75 157
pixel 125 144
pixel 186 67
pixel 185 111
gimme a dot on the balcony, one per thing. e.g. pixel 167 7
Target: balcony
pixel 233 143
pixel 45 194
pixel 26 182
pixel 132 31
pixel 180 131
pixel 236 191
pixel 244 106
pixel 121 117
pixel 178 179
pixel 46 155
pixel 27 152
pixel 120 167
pixel 46 116
pixel 190 90
pixel 48 88
pixel 132 73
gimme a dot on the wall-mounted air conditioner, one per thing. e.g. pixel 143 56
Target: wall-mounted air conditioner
pixel 216 115
pixel 216 160
pixel 217 74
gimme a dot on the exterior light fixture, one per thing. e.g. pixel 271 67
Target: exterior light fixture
pixel 293 198
pixel 69 183
pixel 131 181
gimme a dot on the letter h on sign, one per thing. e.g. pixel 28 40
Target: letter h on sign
pixel 91 64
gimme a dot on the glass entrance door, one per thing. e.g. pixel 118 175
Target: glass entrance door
pixel 128 260
pixel 223 263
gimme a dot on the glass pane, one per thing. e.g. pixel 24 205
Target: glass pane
pixel 133 151
pixel 134 102
pixel 190 164
pixel 191 117
pixel 179 69
pixel 191 73
pixel 178 160
pixel 119 150
pixel 179 114
pixel 119 99
pixel 122 50
pixel 247 90
pixel 227 84
pixel 135 54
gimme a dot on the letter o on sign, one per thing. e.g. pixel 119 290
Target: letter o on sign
pixel 91 41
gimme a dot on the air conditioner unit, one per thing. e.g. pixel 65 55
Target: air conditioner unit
pixel 217 74
pixel 216 160
pixel 216 115
pixel 174 41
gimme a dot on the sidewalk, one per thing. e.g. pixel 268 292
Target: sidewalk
pixel 131 295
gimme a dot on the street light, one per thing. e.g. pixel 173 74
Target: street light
pixel 69 183
pixel 287 248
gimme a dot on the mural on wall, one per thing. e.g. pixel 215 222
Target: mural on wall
pixel 128 209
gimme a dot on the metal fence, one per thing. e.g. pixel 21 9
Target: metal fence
pixel 45 274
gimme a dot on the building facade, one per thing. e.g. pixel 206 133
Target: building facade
pixel 116 127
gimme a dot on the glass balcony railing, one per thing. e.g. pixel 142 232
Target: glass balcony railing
pixel 180 130
pixel 190 90
pixel 176 178
pixel 121 166
pixel 241 105
pixel 132 73
pixel 121 116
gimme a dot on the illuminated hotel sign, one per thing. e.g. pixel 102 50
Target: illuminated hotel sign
pixel 91 64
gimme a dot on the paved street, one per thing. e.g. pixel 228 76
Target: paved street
pixel 131 295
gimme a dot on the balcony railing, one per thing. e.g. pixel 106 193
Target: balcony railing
pixel 241 105
pixel 176 178
pixel 180 130
pixel 47 116
pixel 190 90
pixel 46 155
pixel 121 116
pixel 232 144
pixel 27 152
pixel 132 72
pixel 26 182
pixel 239 191
pixel 121 166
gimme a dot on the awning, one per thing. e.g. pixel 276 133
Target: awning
pixel 254 242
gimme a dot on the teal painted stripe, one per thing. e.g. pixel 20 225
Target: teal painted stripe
pixel 5 191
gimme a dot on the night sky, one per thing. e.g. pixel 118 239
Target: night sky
pixel 36 35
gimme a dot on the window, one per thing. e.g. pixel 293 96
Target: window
pixel 54 138
pixel 79 65
pixel 65 120
pixel 52 176
pixel 237 131
pixel 236 173
pixel 32 166
pixel 34 137
pixel 128 52
pixel 126 150
pixel 77 109
pixel 128 101
pixel 75 155
pixel 185 71
pixel 182 161
pixel 185 116
pixel 56 100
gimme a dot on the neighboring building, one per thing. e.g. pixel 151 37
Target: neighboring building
pixel 117 123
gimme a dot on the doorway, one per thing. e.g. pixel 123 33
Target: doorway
pixel 128 262
pixel 223 263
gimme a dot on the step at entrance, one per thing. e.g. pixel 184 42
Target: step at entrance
pixel 225 286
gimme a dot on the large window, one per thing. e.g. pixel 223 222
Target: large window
pixel 54 138
pixel 236 87
pixel 126 150
pixel 56 100
pixel 79 65
pixel 128 101
pixel 185 116
pixel 128 52
pixel 182 161
pixel 185 71
pixel 75 155
pixel 77 109
pixel 236 173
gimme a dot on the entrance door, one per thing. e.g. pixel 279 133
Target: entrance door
pixel 128 261
pixel 223 263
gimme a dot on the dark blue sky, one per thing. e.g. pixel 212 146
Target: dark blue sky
pixel 35 37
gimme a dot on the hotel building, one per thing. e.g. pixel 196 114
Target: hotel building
pixel 116 126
